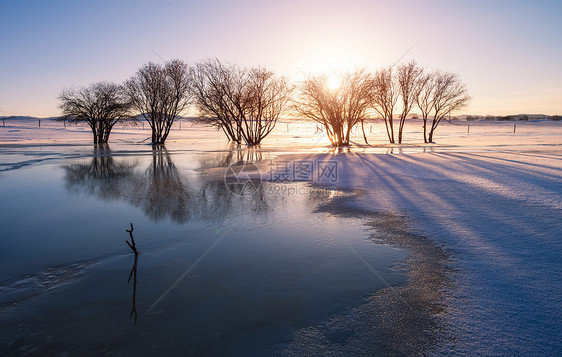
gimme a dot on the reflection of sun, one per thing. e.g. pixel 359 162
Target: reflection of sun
pixel 333 82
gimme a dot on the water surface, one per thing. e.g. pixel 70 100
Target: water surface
pixel 219 273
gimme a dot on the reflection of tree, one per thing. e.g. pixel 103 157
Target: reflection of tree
pixel 234 154
pixel 133 273
pixel 100 177
pixel 217 201
pixel 161 191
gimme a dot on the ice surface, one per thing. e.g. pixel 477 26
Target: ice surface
pixel 491 197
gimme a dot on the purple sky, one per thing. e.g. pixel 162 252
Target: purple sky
pixel 507 52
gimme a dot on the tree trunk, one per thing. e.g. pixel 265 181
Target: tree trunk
pixel 364 136
pixel 391 125
pixel 338 138
pixel 401 129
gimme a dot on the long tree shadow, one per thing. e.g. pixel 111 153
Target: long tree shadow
pixel 501 219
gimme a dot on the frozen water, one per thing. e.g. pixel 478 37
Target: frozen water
pixel 488 196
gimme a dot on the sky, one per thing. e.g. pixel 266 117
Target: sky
pixel 508 53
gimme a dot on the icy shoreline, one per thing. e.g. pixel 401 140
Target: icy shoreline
pixel 398 320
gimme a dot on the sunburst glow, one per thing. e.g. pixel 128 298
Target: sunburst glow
pixel 333 82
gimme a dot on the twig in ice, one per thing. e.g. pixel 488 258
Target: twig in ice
pixel 132 245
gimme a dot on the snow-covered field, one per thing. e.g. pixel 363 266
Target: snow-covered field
pixel 294 135
pixel 500 216
pixel 490 197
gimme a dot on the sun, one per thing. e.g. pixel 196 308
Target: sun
pixel 333 82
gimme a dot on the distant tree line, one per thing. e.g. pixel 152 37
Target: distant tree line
pixel 246 103
pixel 516 117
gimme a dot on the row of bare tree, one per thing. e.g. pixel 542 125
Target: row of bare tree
pixel 388 92
pixel 158 93
pixel 245 103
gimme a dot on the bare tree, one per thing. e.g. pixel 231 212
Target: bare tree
pixel 448 95
pixel 101 105
pixel 160 93
pixel 266 98
pixel 407 81
pixel 339 109
pixel 424 98
pixel 385 96
pixel 216 88
pixel 244 103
